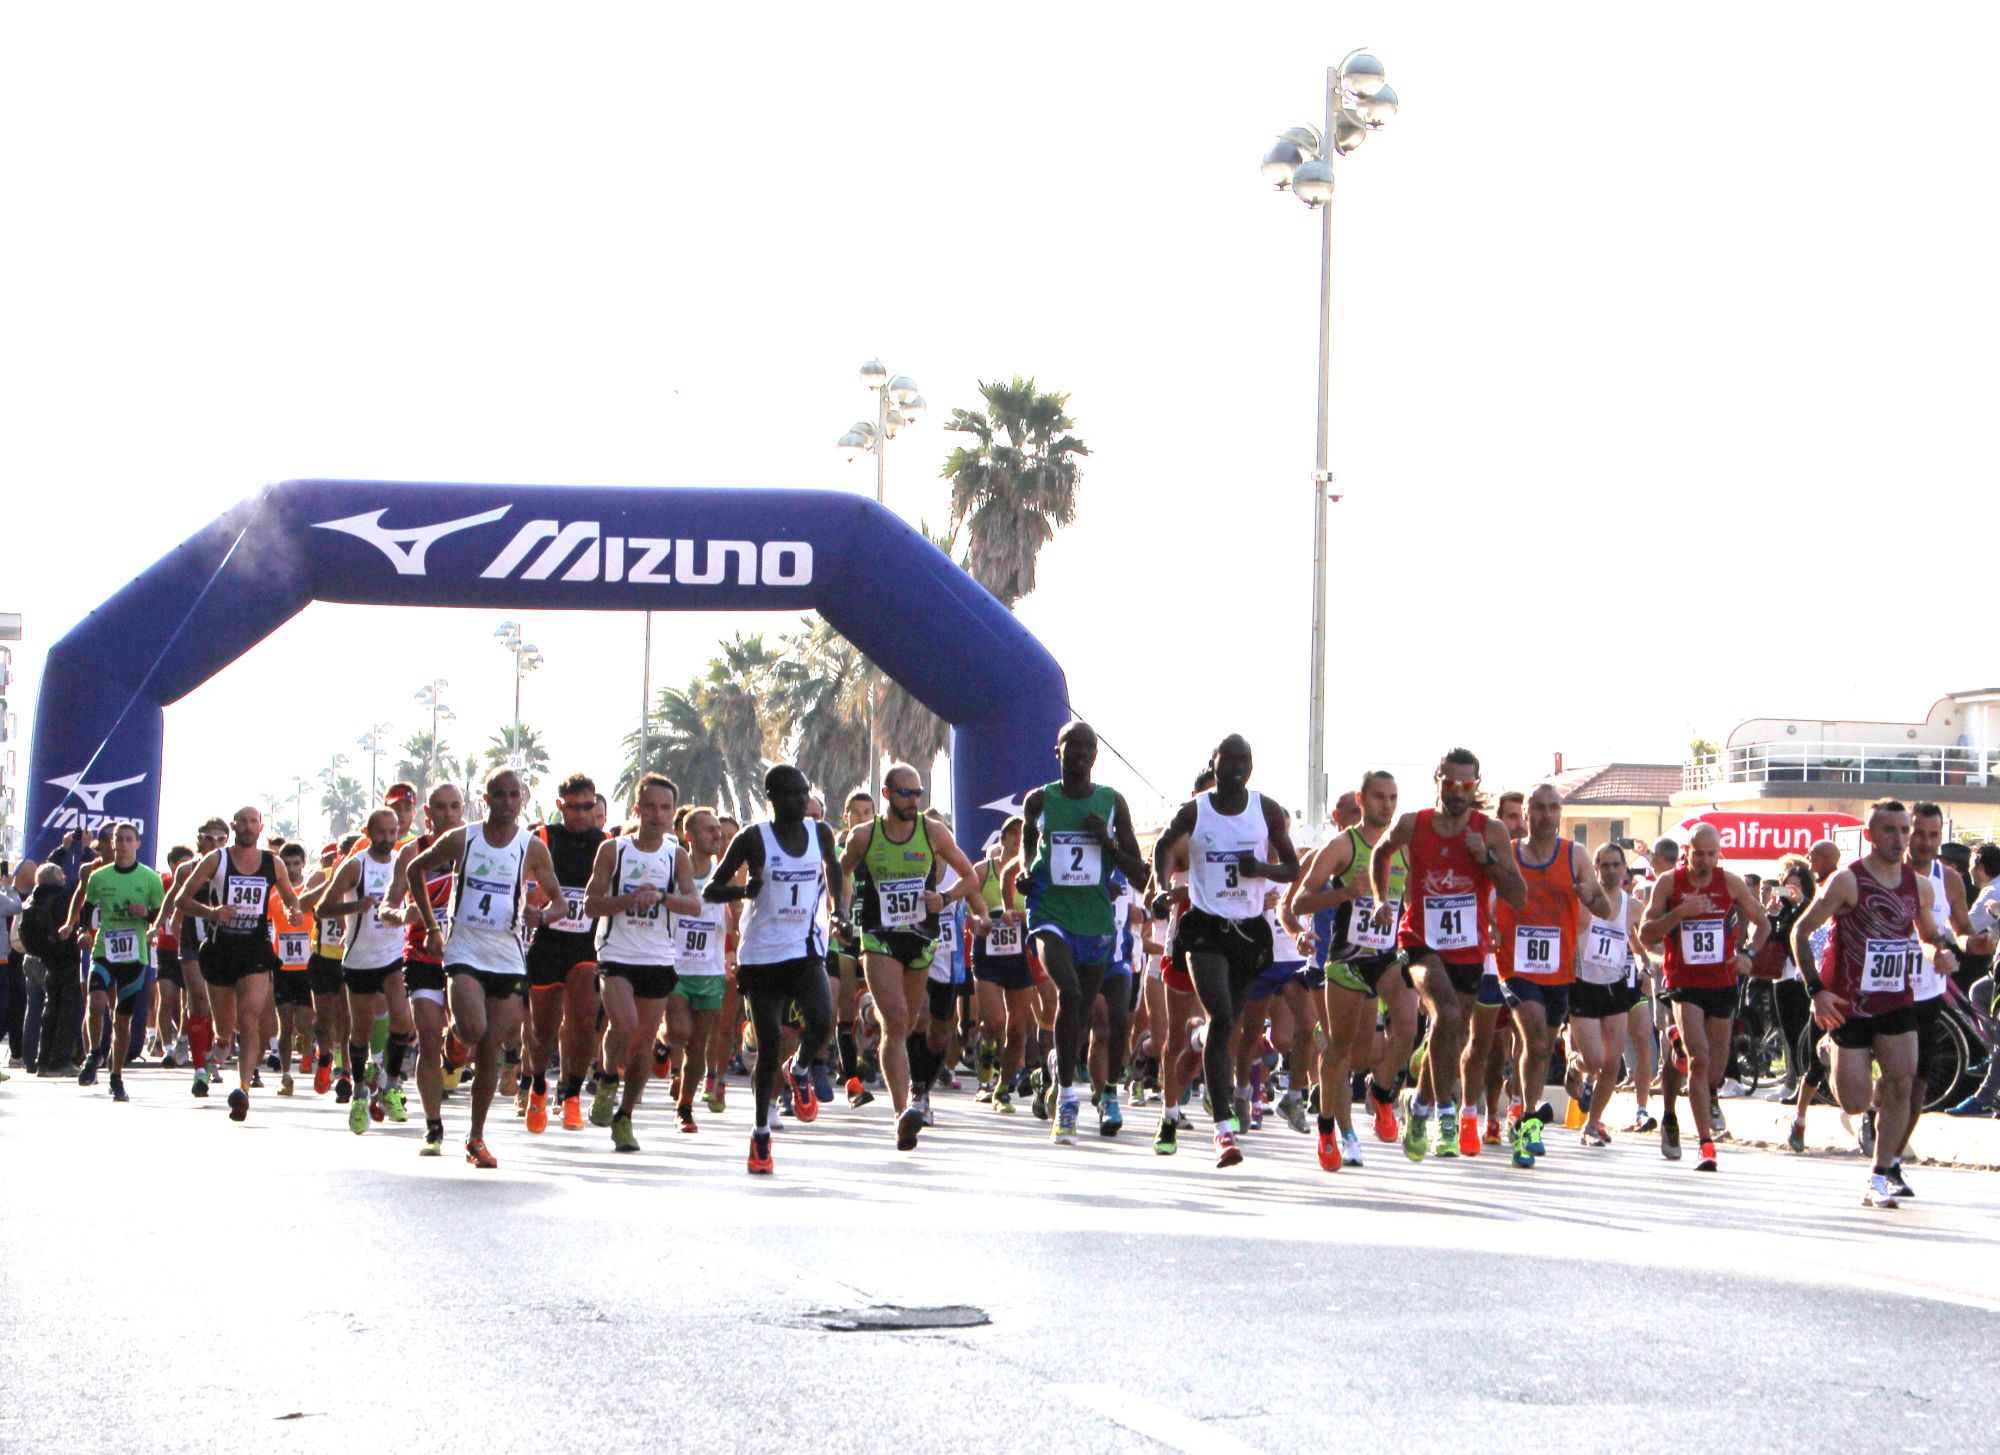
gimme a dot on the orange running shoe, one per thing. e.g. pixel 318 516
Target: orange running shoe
pixel 1492 1130
pixel 322 1080
pixel 805 1102
pixel 1329 1151
pixel 538 1111
pixel 305 1063
pixel 1468 1136
pixel 1386 1129
pixel 572 1120
pixel 477 1155
pixel 663 1060
pixel 760 1151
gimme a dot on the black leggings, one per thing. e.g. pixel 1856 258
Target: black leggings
pixel 768 989
pixel 1076 987
pixel 1221 989
pixel 1794 1015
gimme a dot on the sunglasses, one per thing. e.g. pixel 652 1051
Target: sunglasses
pixel 585 807
pixel 1461 783
pixel 907 792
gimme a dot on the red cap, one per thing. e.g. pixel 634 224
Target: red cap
pixel 332 846
pixel 399 794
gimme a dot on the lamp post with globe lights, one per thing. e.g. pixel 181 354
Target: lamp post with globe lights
pixel 431 695
pixel 527 657
pixel 1359 100
pixel 898 405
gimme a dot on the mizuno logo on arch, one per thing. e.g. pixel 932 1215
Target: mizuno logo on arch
pixel 582 552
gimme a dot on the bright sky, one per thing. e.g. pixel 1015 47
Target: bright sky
pixel 1663 343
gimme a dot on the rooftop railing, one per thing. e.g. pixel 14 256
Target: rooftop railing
pixel 1921 764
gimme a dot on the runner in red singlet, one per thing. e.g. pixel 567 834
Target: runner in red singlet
pixel 1454 853
pixel 1880 908
pixel 423 959
pixel 1689 914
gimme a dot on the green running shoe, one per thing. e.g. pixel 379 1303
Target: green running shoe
pixel 357 1115
pixel 1531 1136
pixel 1522 1156
pixel 1416 1134
pixel 1166 1141
pixel 621 1134
pixel 600 1102
pixel 1002 1102
pixel 1447 1142
pixel 392 1103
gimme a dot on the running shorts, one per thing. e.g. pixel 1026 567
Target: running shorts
pixel 552 954
pixel 1553 999
pixel 1858 1033
pixel 227 959
pixel 915 952
pixel 497 984
pixel 1009 972
pixel 1600 1002
pixel 1717 1002
pixel 369 982
pixel 648 982
pixel 1244 943
pixel 424 975
pixel 1364 977
pixel 128 980
pixel 326 975
pixel 1083 949
pixel 292 987
pixel 701 992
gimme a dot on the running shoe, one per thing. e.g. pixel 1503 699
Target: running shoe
pixel 1643 1121
pixel 1491 1136
pixel 600 1102
pixel 805 1099
pixel 1468 1136
pixel 1002 1101
pixel 322 1080
pixel 538 1111
pixel 1244 1112
pixel 1868 1132
pixel 1896 1183
pixel 305 1062
pixel 1523 1155
pixel 88 1075
pixel 256 1078
pixel 452 1076
pixel 922 1102
pixel 760 1152
pixel 1416 1135
pixel 118 1089
pixel 285 1084
pixel 622 1139
pixel 857 1095
pixel 985 1096
pixel 822 1080
pixel 1670 1140
pixel 1292 1107
pixel 572 1114
pixel 1386 1129
pixel 343 1090
pixel 433 1143
pixel 908 1125
pixel 1350 1148
pixel 477 1155
pixel 200 1087
pixel 239 1105
pixel 1677 1051
pixel 1064 1129
pixel 1328 1148
pixel 273 1060
pixel 663 1060
pixel 1707 1162
pixel 1531 1136
pixel 1717 1126
pixel 375 1111
pixel 714 1094
pixel 684 1116
pixel 1973 1106
pixel 1796 1137
pixel 1880 1193
pixel 1227 1153
pixel 1593 1135
pixel 1447 1137
pixel 1166 1141
pixel 357 1116
pixel 1110 1119
pixel 392 1103
pixel 1037 1082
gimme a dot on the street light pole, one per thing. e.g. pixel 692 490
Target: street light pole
pixel 1358 100
pixel 372 741
pixel 646 697
pixel 431 695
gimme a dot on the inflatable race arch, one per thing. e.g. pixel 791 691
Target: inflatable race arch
pixel 100 718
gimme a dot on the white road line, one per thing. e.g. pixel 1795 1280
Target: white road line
pixel 1155 1421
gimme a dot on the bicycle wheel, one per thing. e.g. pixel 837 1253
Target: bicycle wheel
pixel 1944 1068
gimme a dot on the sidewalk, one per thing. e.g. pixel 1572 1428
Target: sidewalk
pixel 1939 1139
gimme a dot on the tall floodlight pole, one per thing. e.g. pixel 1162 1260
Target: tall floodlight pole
pixel 646 696
pixel 527 657
pixel 372 741
pixel 898 404
pixel 1358 100
pixel 431 695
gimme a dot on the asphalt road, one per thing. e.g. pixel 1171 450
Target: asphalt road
pixel 175 1281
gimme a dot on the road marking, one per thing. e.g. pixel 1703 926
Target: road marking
pixel 1155 1421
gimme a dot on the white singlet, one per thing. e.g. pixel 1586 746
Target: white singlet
pixel 486 915
pixel 640 936
pixel 1215 882
pixel 782 922
pixel 375 946
pixel 1605 956
pixel 698 938
pixel 1925 982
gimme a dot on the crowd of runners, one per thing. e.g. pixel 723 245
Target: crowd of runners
pixel 1441 968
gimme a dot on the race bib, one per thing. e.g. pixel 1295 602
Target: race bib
pixel 1925 981
pixel 698 946
pixel 245 899
pixel 332 933
pixel 1075 860
pixel 1888 965
pixel 294 947
pixel 901 902
pixel 574 921
pixel 121 947
pixel 1361 929
pixel 1003 937
pixel 1451 921
pixel 791 895
pixel 1704 941
pixel 1607 953
pixel 1537 949
pixel 1225 872
pixel 487 904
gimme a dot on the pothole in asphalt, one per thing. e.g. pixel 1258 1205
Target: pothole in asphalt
pixel 893 1318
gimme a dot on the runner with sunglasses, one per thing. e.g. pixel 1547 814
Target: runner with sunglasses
pixel 562 968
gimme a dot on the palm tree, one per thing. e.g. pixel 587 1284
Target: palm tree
pixel 729 700
pixel 425 761
pixel 343 802
pixel 1016 485
pixel 907 730
pixel 502 747
pixel 817 703
pixel 681 743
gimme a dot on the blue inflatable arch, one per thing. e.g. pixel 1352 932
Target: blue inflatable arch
pixel 100 716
